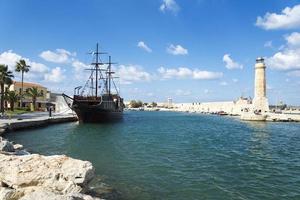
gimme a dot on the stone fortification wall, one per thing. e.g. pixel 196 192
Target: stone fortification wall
pixel 230 107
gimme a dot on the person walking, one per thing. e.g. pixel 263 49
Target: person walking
pixel 50 111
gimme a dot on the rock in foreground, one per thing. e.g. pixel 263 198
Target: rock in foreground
pixel 6 145
pixel 44 177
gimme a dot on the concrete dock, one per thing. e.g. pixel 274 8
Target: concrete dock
pixel 32 120
pixel 283 117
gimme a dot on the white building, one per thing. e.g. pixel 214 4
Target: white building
pixel 230 107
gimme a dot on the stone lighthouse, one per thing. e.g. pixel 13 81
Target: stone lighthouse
pixel 260 101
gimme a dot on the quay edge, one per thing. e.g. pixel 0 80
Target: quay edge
pixel 15 125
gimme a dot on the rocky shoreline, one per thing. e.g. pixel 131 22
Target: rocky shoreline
pixel 25 176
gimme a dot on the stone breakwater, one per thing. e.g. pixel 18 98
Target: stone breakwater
pixel 27 176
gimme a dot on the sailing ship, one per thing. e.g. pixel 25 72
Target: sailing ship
pixel 99 99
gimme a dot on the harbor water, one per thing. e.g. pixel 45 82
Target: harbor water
pixel 170 155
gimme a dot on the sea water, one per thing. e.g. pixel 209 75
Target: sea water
pixel 170 155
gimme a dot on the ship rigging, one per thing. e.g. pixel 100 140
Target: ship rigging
pixel 99 99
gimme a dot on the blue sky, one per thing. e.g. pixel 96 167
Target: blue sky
pixel 190 50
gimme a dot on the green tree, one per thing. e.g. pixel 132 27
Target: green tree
pixel 153 104
pixel 5 78
pixel 12 97
pixel 139 104
pixel 34 93
pixel 132 104
pixel 136 104
pixel 22 67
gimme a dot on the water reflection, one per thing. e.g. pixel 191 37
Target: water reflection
pixel 256 124
pixel 259 141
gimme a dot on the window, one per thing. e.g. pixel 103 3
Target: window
pixel 42 92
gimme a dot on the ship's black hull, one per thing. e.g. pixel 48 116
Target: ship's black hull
pixel 94 114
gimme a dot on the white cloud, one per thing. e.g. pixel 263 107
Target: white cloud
pixel 38 67
pixel 206 75
pixel 289 18
pixel 55 76
pixel 268 44
pixel 143 46
pixel 59 56
pixel 288 58
pixel 79 66
pixel 132 73
pixel 180 72
pixel 224 83
pixel 285 60
pixel 177 50
pixel 293 39
pixel 230 63
pixel 10 58
pixel 183 72
pixel 169 5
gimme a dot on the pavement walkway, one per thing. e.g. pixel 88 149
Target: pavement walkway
pixel 35 119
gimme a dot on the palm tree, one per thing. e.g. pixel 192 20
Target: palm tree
pixel 12 97
pixel 5 78
pixel 34 93
pixel 22 67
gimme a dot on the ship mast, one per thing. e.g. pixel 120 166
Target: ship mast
pixel 97 66
pixel 97 69
pixel 109 72
pixel 107 80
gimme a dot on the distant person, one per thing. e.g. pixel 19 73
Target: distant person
pixel 50 111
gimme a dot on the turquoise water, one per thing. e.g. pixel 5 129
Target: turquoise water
pixel 168 155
